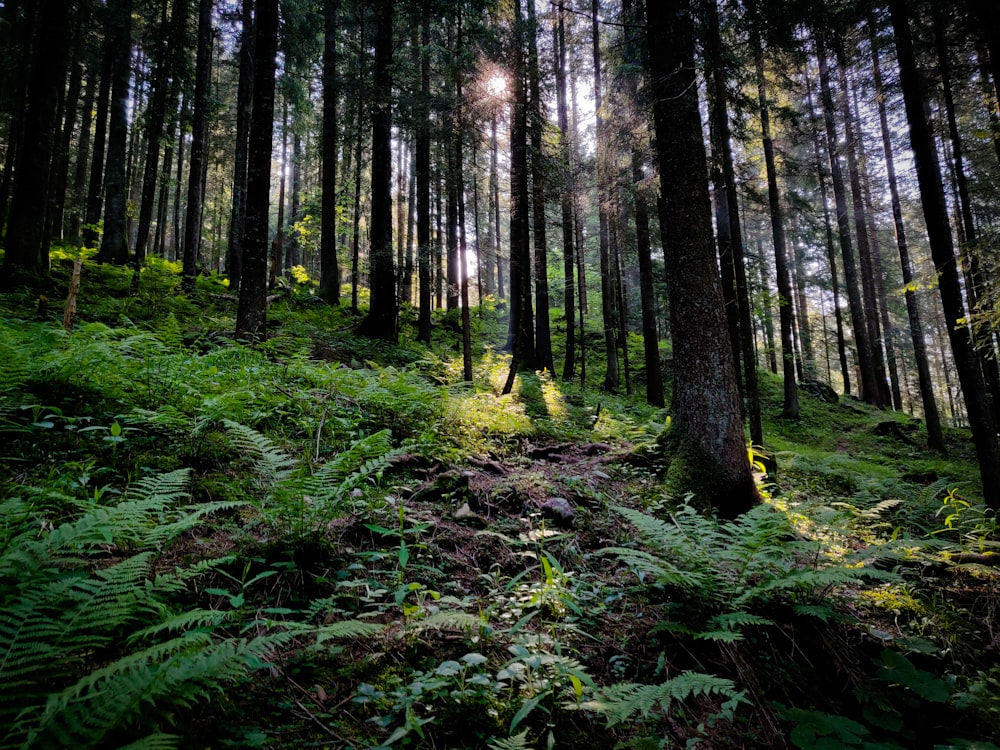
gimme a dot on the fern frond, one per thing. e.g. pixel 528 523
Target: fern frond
pixel 157 741
pixel 517 742
pixel 622 701
pixel 270 462
pixel 447 620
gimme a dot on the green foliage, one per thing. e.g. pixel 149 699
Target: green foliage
pixel 621 702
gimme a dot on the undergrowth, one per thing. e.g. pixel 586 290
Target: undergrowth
pixel 326 541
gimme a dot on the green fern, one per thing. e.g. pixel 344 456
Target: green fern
pixel 620 702
pixel 517 742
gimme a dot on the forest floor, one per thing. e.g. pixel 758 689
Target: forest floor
pixel 322 541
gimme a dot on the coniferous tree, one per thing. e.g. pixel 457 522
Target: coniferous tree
pixel 705 438
pixel 114 240
pixel 251 313
pixel 932 196
pixel 380 322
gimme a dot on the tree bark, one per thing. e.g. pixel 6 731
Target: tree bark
pixel 26 225
pixel 943 253
pixel 706 435
pixel 114 241
pixel 244 102
pixel 251 313
pixel 199 147
pixel 380 322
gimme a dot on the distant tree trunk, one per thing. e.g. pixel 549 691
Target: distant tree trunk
pixel 26 225
pixel 790 407
pixel 521 324
pixel 943 253
pixel 278 243
pixel 705 439
pixel 356 216
pixel 767 319
pixel 380 322
pixel 199 147
pixel 543 334
pixel 831 253
pixel 95 185
pixel 859 323
pixel 611 373
pixel 114 241
pixel 935 436
pixel 292 255
pixel 422 147
pixel 865 262
pixel 60 167
pixel 244 102
pixel 251 313
pixel 79 190
pixel 495 204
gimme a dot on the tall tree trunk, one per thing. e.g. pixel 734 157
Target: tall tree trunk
pixel 943 253
pixel 329 274
pixel 79 190
pixel 831 253
pixel 26 226
pixel 859 322
pixel 278 243
pixel 251 313
pixel 611 372
pixel 566 193
pixel 521 324
pixel 199 146
pixel 731 219
pixel 865 262
pixel 244 102
pixel 543 333
pixel 790 407
pixel 935 436
pixel 114 241
pixel 380 322
pixel 422 147
pixel 706 434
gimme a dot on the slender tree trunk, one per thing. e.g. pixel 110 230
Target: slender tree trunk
pixel 380 322
pixel 566 193
pixel 720 117
pixel 935 436
pixel 244 103
pixel 329 264
pixel 79 199
pixel 611 373
pixel 859 323
pixel 706 435
pixel 251 314
pixel 422 148
pixel 943 253
pixel 543 333
pixel 790 408
pixel 356 218
pixel 199 146
pixel 865 262
pixel 831 253
pixel 521 324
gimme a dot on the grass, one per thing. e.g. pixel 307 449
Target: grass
pixel 363 551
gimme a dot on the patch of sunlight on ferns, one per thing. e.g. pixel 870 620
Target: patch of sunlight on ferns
pixel 622 701
pixel 733 567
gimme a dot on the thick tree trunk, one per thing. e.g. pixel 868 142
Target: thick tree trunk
pixel 26 226
pixel 251 313
pixel 706 435
pixel 943 253
pixel 114 241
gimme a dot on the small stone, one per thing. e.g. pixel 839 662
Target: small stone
pixel 599 474
pixel 559 509
pixel 464 511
